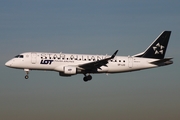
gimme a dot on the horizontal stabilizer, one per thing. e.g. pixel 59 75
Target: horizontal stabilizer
pixel 165 61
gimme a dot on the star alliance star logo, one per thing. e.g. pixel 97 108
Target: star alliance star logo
pixel 158 49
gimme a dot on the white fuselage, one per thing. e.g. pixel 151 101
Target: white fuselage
pixel 57 62
pixel 72 64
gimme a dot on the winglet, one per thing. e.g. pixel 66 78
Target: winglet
pixel 114 54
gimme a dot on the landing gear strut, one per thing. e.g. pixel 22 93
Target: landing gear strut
pixel 27 72
pixel 87 78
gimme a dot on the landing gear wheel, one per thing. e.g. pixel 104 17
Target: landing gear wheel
pixel 26 77
pixel 87 78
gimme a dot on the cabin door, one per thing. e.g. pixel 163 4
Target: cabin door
pixel 33 58
pixel 130 62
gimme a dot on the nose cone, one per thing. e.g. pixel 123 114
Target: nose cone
pixel 8 63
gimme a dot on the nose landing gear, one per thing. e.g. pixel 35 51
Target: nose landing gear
pixel 27 72
pixel 26 77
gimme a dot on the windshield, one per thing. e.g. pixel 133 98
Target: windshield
pixel 19 56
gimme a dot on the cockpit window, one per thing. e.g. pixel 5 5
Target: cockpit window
pixel 16 56
pixel 19 56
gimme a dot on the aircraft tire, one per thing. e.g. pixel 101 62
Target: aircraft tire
pixel 87 78
pixel 26 77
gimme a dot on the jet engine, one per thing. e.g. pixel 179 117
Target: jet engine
pixel 70 70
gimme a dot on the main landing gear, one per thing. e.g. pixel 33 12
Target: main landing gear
pixel 87 78
pixel 27 72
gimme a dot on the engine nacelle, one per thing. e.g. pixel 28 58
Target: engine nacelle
pixel 70 70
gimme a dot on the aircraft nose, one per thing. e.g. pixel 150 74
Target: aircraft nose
pixel 8 63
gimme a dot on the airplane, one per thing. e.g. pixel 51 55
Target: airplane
pixel 72 64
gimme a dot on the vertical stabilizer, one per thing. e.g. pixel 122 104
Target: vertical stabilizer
pixel 158 48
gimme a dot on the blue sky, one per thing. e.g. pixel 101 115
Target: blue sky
pixel 90 27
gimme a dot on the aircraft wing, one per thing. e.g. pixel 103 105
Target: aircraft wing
pixel 96 64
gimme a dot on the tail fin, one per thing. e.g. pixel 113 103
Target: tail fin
pixel 157 49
